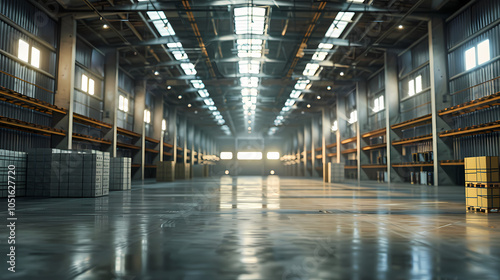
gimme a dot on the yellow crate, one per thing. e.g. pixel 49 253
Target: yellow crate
pixel 470 163
pixel 488 191
pixel 471 201
pixel 471 192
pixel 485 163
pixel 470 177
pixel 487 177
pixel 488 201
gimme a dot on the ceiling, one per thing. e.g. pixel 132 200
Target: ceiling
pixel 285 37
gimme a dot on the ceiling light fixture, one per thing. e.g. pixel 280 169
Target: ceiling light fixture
pixel 318 97
pixel 189 105
pixel 328 88
pixel 308 105
pixel 401 26
pixel 105 26
pixel 169 87
pixel 342 74
pixel 180 96
pixel 157 73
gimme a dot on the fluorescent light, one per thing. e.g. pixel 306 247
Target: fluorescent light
pixel 325 46
pixel 302 84
pixel 23 51
pixel 249 81
pixel 203 93
pixel 289 102
pixel 311 69
pixel 273 155
pixel 226 155
pixel 249 67
pixel 295 94
pixel 212 108
pixel 208 102
pixel 249 92
pixel 188 68
pixel 197 84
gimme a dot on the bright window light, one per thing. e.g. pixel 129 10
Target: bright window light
pixel 85 83
pixel 249 155
pixel 378 104
pixel 23 51
pixel 483 52
pixel 226 155
pixel 163 125
pixel 35 57
pixel 418 84
pixel 470 58
pixel 273 155
pixel 147 116
pixel 91 87
pixel 353 117
pixel 335 126
pixel 411 88
pixel 123 103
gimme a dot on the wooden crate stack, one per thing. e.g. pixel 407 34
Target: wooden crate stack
pixel 482 184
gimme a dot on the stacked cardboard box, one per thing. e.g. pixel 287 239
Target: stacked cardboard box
pixel 165 171
pixel 182 171
pixel 17 160
pixel 337 172
pixel 120 174
pixel 66 173
pixel 482 182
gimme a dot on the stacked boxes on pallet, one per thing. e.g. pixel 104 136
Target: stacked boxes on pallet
pixel 482 182
pixel 182 171
pixel 165 171
pixel 337 172
pixel 17 160
pixel 120 174
pixel 66 173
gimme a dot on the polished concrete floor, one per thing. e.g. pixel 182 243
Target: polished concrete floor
pixel 256 228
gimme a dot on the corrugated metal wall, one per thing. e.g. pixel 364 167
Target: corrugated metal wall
pixel 376 88
pixel 466 30
pixel 413 63
pixel 474 25
pixel 91 63
pixel 34 27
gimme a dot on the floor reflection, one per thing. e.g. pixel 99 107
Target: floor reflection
pixel 258 228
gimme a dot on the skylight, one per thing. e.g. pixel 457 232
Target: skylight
pixel 161 23
pixel 339 24
pixel 249 81
pixel 249 67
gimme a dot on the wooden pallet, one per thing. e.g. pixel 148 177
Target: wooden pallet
pixel 482 185
pixel 481 209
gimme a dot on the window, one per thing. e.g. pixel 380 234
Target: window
pixel 226 155
pixel 23 53
pixel 35 57
pixel 415 86
pixel 88 85
pixel 249 155
pixel 335 126
pixel 378 104
pixel 123 103
pixel 477 56
pixel 163 125
pixel 273 155
pixel 353 117
pixel 147 116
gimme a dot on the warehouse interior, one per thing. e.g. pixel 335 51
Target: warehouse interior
pixel 250 139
